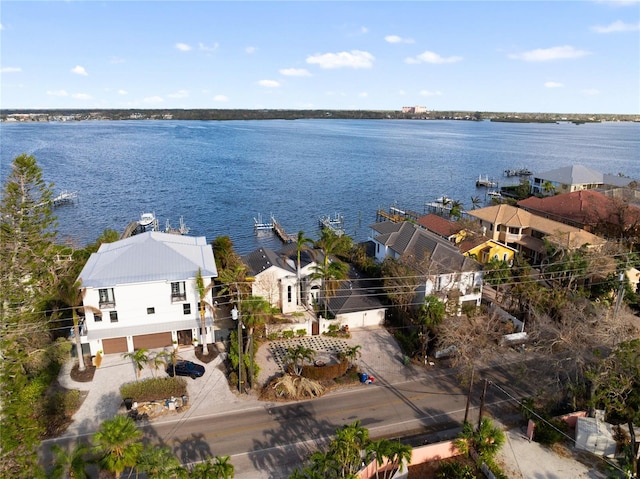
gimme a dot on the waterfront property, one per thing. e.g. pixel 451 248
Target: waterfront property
pixel 574 178
pixel 527 233
pixel 447 273
pixel 144 288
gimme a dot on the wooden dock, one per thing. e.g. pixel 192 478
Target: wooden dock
pixel 274 226
pixel 396 215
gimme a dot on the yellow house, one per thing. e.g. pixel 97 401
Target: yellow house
pixel 484 249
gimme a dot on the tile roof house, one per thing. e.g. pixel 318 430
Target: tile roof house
pixel 441 226
pixel 145 289
pixel 527 232
pixel 574 178
pixel 446 271
pixel 484 249
pixel 588 210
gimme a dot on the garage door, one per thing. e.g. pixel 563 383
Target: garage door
pixel 114 345
pixel 151 341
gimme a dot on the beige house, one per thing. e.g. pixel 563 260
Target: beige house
pixel 527 232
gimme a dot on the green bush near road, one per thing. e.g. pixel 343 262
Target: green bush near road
pixel 154 389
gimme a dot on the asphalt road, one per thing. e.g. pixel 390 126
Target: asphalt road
pixel 270 441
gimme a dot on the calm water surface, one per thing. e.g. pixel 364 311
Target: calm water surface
pixel 219 176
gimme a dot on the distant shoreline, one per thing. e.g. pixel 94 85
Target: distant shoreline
pixel 47 115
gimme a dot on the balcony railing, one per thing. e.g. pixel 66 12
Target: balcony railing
pixel 175 297
pixel 107 304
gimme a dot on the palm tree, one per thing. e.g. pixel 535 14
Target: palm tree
pixel 330 274
pixel 299 353
pixel 350 441
pixel 486 440
pixel 352 353
pixel 157 361
pixel 203 291
pixel 72 294
pixel 301 245
pixel 456 209
pixel 71 464
pixel 380 450
pixel 139 357
pixel 223 468
pixel 475 202
pixel 397 454
pixel 118 444
pixel 159 463
pixel 255 311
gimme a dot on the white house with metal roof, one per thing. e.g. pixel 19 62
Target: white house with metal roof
pixel 145 289
pixel 574 178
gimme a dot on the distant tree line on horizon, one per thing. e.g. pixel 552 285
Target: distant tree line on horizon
pixel 285 114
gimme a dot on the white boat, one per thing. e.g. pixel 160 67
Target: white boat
pixel 147 219
pixel 494 194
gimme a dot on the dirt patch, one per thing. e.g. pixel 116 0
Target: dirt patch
pixel 207 358
pixel 83 376
pixel 349 380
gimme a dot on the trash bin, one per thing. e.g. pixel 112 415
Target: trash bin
pixel 185 399
pixel 363 377
pixel 128 403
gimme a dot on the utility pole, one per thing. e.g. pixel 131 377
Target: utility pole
pixel 484 393
pixel 466 409
pixel 620 296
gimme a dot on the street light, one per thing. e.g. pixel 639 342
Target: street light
pixel 235 315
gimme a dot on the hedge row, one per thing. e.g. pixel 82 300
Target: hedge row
pixel 329 371
pixel 155 389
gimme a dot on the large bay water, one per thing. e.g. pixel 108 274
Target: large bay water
pixel 219 176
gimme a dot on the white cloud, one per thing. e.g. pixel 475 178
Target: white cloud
pixel 123 92
pixel 153 99
pixel 352 59
pixel 179 94
pixel 220 98
pixel 295 72
pixel 402 92
pixel 546 54
pixel 57 93
pixel 590 92
pixel 81 96
pixel 269 83
pixel 10 70
pixel 364 30
pixel 183 47
pixel 431 57
pixel 430 93
pixel 553 84
pixel 78 70
pixel 617 26
pixel 397 39
pixel 618 3
pixel 250 50
pixel 205 48
pixel 363 94
pixel 116 60
pixel 1 26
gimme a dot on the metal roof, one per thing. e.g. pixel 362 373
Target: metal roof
pixel 147 257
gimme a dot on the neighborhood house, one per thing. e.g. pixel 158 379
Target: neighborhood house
pixel 140 292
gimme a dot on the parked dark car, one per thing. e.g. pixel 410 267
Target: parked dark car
pixel 186 368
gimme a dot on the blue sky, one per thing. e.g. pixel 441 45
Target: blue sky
pixel 509 56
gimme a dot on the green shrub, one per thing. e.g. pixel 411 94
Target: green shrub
pixel 301 332
pixel 288 334
pixel 154 389
pixel 273 336
pixel 550 432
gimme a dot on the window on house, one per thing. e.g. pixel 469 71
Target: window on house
pixel 505 256
pixel 97 317
pixel 288 294
pixel 514 230
pixel 186 308
pixel 106 298
pixel 178 291
pixel 151 310
pixel 113 316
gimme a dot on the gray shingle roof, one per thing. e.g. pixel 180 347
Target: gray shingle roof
pixel 408 240
pixel 351 296
pixel 262 259
pixel 149 256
